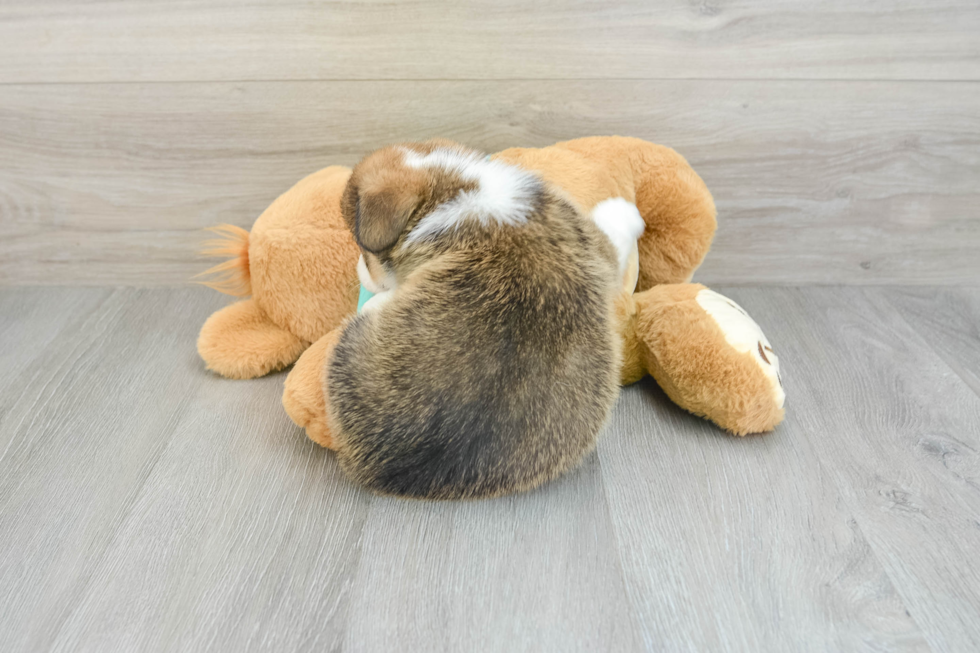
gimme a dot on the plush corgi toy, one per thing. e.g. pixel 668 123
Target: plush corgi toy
pixel 298 264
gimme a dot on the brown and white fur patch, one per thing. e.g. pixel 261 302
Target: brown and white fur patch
pixel 488 361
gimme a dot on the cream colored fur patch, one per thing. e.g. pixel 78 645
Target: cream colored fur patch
pixel 744 335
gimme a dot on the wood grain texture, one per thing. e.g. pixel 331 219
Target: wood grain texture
pixel 146 505
pixel 31 321
pixel 188 513
pixel 54 41
pixel 741 544
pixel 949 320
pixel 537 572
pixel 244 537
pixel 91 420
pixel 896 430
pixel 816 182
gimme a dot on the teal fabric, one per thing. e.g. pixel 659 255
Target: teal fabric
pixel 363 297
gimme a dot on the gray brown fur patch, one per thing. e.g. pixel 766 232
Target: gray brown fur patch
pixel 494 365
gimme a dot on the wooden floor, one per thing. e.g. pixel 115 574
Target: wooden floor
pixel 147 505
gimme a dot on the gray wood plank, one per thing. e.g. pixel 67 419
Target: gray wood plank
pixel 732 544
pixel 79 444
pixel 65 40
pixel 244 537
pixel 147 505
pixel 536 572
pixel 816 182
pixel 897 431
pixel 949 320
pixel 31 321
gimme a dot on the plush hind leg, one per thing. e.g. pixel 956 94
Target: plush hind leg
pixel 707 354
pixel 241 342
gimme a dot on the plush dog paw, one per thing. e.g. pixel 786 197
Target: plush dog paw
pixel 241 342
pixel 709 356
pixel 744 336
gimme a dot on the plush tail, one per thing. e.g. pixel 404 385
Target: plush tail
pixel 673 200
pixel 231 277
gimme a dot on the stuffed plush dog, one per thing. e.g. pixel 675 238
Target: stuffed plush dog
pixel 299 264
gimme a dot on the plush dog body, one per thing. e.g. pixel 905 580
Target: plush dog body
pixel 301 259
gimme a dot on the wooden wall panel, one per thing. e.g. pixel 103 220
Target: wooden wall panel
pixel 816 182
pixel 141 40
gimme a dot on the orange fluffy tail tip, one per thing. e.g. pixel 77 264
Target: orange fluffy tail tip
pixel 231 277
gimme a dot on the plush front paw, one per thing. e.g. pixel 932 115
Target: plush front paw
pixel 710 357
pixel 744 336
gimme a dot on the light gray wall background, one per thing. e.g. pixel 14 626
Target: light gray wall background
pixel 841 139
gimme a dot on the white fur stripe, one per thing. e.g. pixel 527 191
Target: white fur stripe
pixel 504 193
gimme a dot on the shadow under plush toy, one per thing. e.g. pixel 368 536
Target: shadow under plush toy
pixel 298 263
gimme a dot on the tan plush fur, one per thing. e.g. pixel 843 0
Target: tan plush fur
pixel 300 265
pixel 674 202
pixel 233 276
pixel 684 349
pixel 242 342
